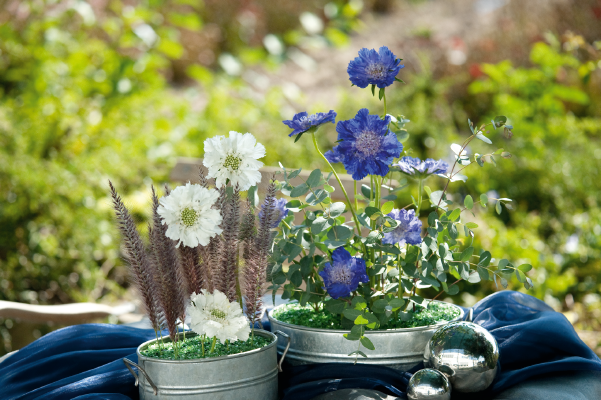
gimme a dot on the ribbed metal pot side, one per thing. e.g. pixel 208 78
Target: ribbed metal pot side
pixel 245 376
pixel 400 349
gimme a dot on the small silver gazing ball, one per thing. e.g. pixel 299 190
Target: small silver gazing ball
pixel 428 384
pixel 466 353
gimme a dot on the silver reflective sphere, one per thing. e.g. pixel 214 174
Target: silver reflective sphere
pixel 466 353
pixel 429 384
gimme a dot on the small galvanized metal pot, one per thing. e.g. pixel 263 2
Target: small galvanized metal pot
pixel 246 376
pixel 401 349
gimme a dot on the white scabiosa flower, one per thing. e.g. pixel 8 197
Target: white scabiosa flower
pixel 188 214
pixel 213 315
pixel 234 158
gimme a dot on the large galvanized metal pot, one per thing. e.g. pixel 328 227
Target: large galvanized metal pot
pixel 246 376
pixel 401 349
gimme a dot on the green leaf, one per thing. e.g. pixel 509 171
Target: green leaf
pixel 467 254
pixel 381 93
pixel 337 209
pixel 520 275
pixel 402 135
pixel 420 301
pixel 358 303
pixel 483 138
pixel 432 218
pixel 396 303
pixel 468 202
pixel 380 305
pixel 340 233
pixel 452 290
pixel 471 225
pixel 499 121
pixel 485 258
pixel 328 188
pixel 299 190
pixel 335 306
pixel 483 200
pixel 361 320
pixel 293 204
pixel 373 212
pixel 314 179
pixel 373 90
pixel 455 214
pixel 294 174
pixel 483 272
pixel 320 224
pixel 525 267
pixel 367 343
pixel 366 191
pixel 387 207
pixel 351 313
pixel 504 283
pixel 498 207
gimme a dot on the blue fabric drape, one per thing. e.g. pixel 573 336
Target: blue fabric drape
pixel 84 361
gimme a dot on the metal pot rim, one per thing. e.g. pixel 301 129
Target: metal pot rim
pixel 261 332
pixel 370 332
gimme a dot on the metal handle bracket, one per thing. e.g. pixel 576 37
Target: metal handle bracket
pixel 128 363
pixel 285 350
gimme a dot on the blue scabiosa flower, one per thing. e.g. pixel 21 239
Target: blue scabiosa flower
pixel 302 121
pixel 408 230
pixel 280 212
pixel 366 146
pixel 343 275
pixel 422 169
pixel 374 68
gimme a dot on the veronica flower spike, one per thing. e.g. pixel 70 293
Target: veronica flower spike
pixel 367 146
pixel 302 122
pixel 343 275
pixel 373 67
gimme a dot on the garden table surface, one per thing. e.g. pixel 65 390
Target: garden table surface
pixel 541 357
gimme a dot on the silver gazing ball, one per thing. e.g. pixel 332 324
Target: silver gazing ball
pixel 466 353
pixel 428 384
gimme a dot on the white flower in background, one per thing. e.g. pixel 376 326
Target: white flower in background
pixel 213 315
pixel 234 158
pixel 188 214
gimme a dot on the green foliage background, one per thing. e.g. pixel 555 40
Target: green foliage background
pixel 85 96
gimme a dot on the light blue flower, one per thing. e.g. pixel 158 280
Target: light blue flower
pixel 422 169
pixel 302 121
pixel 409 228
pixel 367 146
pixel 343 275
pixel 374 68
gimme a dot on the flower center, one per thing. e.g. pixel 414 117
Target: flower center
pixel 189 216
pixel 233 162
pixel 340 274
pixel 216 313
pixel 376 71
pixel 368 143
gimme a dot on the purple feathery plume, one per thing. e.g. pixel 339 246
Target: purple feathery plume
pixel 140 266
pixel 229 255
pixel 257 257
pixel 189 258
pixel 248 229
pixel 172 287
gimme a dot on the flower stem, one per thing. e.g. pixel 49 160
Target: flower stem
pixel 341 185
pixel 385 113
pixel 213 345
pixel 202 344
pixel 355 194
pixel 420 189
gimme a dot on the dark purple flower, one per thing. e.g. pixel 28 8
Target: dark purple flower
pixel 302 121
pixel 343 275
pixel 367 146
pixel 408 230
pixel 422 169
pixel 374 68
pixel 279 212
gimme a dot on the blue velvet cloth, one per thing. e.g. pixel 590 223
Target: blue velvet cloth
pixel 84 361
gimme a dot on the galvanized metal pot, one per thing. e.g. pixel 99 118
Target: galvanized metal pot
pixel 246 376
pixel 401 349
